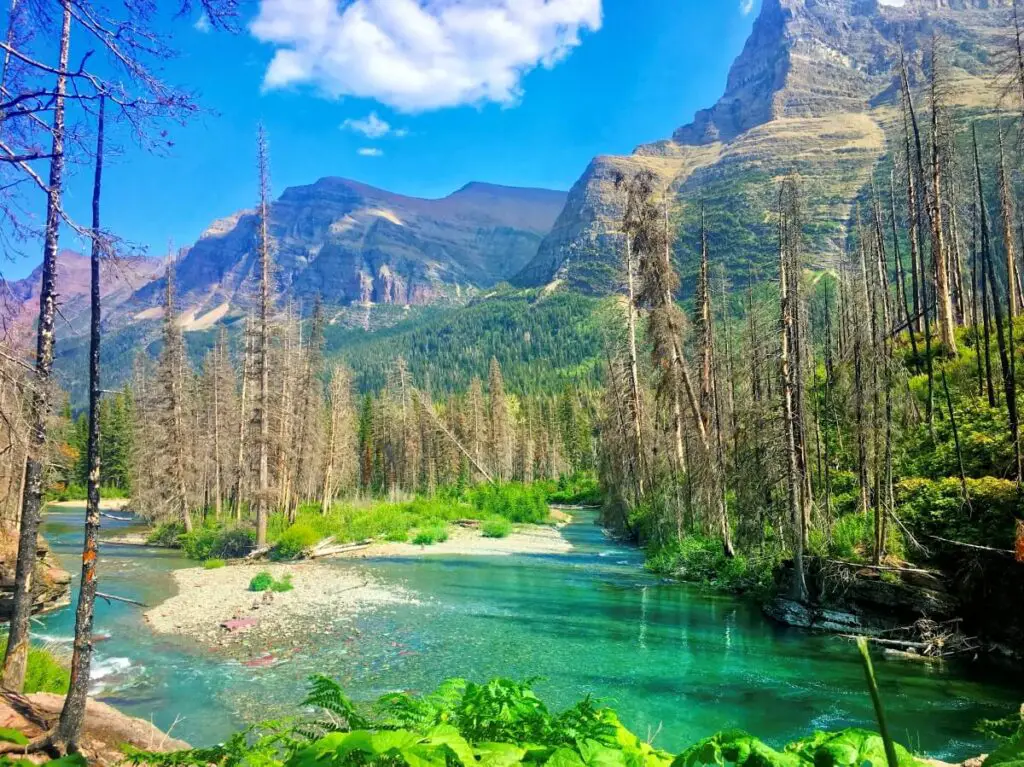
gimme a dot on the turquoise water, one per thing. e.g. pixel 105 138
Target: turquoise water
pixel 671 659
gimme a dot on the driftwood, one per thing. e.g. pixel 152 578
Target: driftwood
pixel 973 546
pixel 111 598
pixel 327 548
pixel 108 515
pixel 887 568
pixel 258 553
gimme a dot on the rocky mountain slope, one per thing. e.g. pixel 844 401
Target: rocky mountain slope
pixel 352 243
pixel 813 92
pixel 19 299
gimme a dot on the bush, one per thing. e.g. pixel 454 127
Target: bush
pixel 428 536
pixel 261 581
pixel 167 535
pixel 45 671
pixel 295 540
pixel 264 581
pixel 285 584
pixel 496 528
pixel 937 508
pixel 213 564
pixel 212 543
pixel 703 560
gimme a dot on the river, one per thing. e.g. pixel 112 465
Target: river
pixel 673 660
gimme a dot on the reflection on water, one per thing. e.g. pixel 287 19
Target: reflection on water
pixel 591 621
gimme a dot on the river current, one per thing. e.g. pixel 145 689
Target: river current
pixel 676 662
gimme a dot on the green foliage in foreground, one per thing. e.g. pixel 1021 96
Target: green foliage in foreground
pixel 502 724
pixel 45 673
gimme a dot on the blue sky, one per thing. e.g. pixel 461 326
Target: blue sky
pixel 417 104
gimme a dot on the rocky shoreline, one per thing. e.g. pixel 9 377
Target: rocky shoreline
pixel 216 609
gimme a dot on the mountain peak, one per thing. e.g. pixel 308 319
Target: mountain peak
pixel 813 58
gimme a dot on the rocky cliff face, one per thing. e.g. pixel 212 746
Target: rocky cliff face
pixel 813 92
pixel 19 299
pixel 51 584
pixel 349 242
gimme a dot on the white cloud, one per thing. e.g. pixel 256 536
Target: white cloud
pixel 895 3
pixel 417 55
pixel 370 151
pixel 746 6
pixel 370 126
pixel 202 23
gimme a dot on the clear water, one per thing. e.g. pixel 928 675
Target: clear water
pixel 670 658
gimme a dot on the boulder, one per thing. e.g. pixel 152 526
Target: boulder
pixel 51 584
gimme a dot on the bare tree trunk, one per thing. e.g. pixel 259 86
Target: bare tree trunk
pixel 69 727
pixel 634 376
pixel 217 490
pixel 262 498
pixel 1010 249
pixel 789 415
pixel 242 420
pixel 16 659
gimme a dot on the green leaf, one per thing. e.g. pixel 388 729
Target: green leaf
pixel 13 736
pixel 499 754
pixel 447 736
pixel 599 755
pixel 1010 754
pixel 564 757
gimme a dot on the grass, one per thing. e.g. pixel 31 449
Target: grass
pixel 213 564
pixel 46 671
pixel 496 528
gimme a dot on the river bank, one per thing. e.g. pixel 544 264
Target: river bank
pixel 216 609
pixel 463 541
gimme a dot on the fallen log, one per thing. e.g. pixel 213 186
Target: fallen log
pixel 111 598
pixel 331 551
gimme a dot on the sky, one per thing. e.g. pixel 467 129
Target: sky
pixel 415 96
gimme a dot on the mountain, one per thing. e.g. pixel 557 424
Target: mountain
pixel 352 243
pixel 813 92
pixel 118 282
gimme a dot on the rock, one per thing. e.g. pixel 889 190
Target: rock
pixel 105 730
pixel 238 625
pixel 51 584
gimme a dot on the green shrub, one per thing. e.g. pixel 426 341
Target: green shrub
pixel 213 543
pixel 397 536
pixel 503 722
pixel 938 508
pixel 285 584
pixel 703 560
pixel 295 540
pixel 496 528
pixel 167 535
pixel 428 536
pixel 261 581
pixel 213 564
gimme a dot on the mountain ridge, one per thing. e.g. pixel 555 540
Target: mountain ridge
pixel 811 92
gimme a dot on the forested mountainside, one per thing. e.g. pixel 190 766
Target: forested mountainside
pixel 815 93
